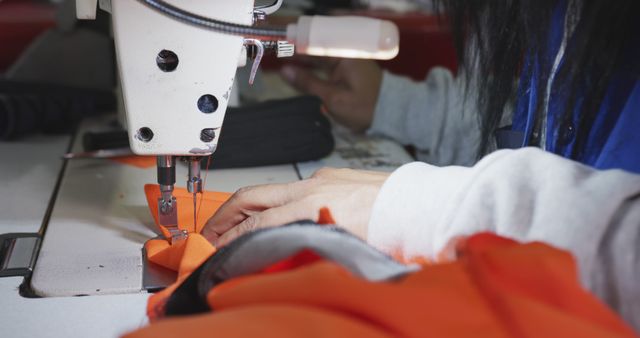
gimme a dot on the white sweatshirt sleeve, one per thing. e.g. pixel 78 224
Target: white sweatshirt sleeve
pixel 432 115
pixel 527 195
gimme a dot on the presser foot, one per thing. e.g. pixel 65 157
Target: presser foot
pixel 168 218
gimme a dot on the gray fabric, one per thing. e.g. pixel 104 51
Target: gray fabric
pixel 260 249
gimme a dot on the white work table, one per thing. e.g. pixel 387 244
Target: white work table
pixel 98 224
pixel 29 173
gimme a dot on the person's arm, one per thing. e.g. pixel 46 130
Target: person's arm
pixel 433 116
pixel 526 195
pixel 438 115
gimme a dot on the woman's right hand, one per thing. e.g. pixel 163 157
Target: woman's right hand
pixel 348 194
pixel 350 91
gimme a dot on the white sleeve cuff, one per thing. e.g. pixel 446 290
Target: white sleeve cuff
pixel 410 206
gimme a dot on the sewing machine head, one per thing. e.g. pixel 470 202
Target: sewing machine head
pixel 177 69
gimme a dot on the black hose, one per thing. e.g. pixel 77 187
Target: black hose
pixel 28 108
pixel 213 24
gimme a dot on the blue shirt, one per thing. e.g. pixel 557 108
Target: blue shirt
pixel 614 139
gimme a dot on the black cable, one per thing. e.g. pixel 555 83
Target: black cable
pixel 213 24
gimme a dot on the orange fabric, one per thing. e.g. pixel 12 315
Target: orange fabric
pixel 495 288
pixel 325 216
pixel 301 258
pixel 183 257
pixel 206 208
pixel 258 321
pixel 142 162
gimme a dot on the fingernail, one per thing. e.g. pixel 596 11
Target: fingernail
pixel 289 73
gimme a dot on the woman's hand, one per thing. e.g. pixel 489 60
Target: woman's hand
pixel 350 91
pixel 349 194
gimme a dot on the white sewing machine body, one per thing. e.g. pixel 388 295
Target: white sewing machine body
pixel 165 104
pixel 167 109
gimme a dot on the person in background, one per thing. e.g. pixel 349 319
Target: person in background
pixel 558 78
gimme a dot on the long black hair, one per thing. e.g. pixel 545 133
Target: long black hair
pixel 497 40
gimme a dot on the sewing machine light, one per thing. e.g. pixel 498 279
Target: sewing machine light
pixel 345 36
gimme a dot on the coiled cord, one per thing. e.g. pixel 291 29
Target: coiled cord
pixel 213 24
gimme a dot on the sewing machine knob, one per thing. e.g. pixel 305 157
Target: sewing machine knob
pixel 207 135
pixel 167 60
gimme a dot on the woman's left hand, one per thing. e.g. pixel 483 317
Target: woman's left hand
pixel 349 194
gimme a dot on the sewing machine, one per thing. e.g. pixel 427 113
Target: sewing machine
pixel 177 69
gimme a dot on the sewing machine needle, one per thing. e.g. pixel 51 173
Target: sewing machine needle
pixel 195 213
pixel 194 185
